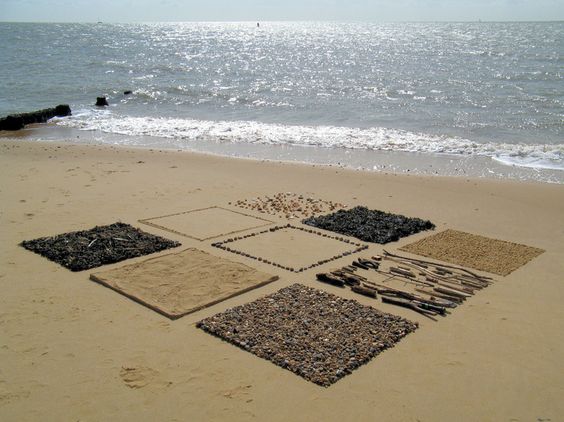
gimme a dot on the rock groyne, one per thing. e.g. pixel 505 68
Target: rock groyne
pixel 18 121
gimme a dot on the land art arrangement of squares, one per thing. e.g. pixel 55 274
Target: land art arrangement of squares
pixel 316 335
pixel 290 247
pixel 474 251
pixel 289 205
pixel 206 223
pixel 181 283
pixel 101 245
pixel 370 225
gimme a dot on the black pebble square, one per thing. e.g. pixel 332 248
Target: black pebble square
pixel 370 225
pixel 99 246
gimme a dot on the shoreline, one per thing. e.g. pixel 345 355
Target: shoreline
pixel 378 161
pixel 74 349
pixel 141 149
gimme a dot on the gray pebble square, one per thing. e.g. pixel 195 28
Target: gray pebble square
pixel 315 334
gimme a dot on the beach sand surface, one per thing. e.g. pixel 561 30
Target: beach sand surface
pixel 72 349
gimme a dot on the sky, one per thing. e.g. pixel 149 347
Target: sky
pixel 257 10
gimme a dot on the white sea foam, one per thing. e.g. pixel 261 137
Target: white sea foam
pixel 550 156
pixel 531 161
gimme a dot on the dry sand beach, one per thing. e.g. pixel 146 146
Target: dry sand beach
pixel 73 349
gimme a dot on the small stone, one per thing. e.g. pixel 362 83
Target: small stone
pixel 101 102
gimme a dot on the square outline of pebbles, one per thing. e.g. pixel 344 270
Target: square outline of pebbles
pixel 148 222
pixel 359 247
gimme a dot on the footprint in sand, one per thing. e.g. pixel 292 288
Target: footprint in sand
pixel 137 376
pixel 7 397
pixel 240 392
pixel 141 376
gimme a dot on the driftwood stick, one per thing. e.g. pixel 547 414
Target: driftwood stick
pixel 346 269
pixel 369 263
pixel 450 301
pixel 463 278
pixel 360 265
pixel 456 287
pixel 450 292
pixel 329 279
pixel 407 279
pixel 365 291
pixel 348 274
pixel 417 267
pixel 407 304
pixel 401 271
pixel 350 279
pixel 390 291
pixel 386 253
pixel 431 276
pixel 430 307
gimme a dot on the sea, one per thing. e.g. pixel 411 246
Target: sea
pixel 472 99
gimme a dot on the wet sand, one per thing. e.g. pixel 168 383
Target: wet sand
pixel 72 349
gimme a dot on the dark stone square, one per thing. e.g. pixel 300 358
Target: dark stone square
pixel 370 225
pixel 99 246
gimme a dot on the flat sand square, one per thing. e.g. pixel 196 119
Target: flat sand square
pixel 474 251
pixel 316 335
pixel 181 283
pixel 206 223
pixel 291 247
pixel 101 245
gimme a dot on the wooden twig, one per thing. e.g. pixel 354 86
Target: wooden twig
pixel 408 304
pixel 452 301
pixel 364 290
pixel 330 279
pixel 450 292
pixel 480 277
pixel 402 271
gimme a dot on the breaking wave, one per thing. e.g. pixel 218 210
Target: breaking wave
pixel 182 131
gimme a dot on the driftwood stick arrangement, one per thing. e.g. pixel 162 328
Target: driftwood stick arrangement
pixel 437 287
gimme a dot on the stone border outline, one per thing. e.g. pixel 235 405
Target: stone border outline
pixel 359 247
pixel 148 222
